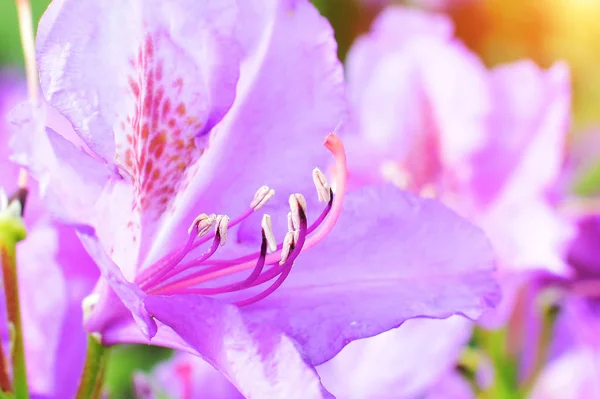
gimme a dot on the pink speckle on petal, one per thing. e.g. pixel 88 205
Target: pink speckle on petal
pixel 157 139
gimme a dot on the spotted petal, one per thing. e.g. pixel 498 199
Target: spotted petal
pixel 143 91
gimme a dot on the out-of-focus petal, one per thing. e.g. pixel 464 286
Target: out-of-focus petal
pixel 530 119
pixel 584 250
pixel 574 375
pixel 404 81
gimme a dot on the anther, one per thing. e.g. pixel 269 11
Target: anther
pixel 204 224
pixel 221 224
pixel 268 230
pixel 323 187
pixel 297 201
pixel 262 196
pixel 290 221
pixel 288 246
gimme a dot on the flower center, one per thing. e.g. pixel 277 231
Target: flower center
pixel 177 274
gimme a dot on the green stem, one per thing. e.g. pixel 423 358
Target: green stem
pixel 90 385
pixel 12 230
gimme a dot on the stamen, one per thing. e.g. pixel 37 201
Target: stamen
pixel 335 145
pixel 268 232
pixel 221 224
pixel 323 188
pixel 157 272
pixel 203 223
pixel 262 196
pixel 323 214
pixel 290 221
pixel 288 243
pixel 296 240
pixel 250 280
pixel 296 202
pixel 185 266
pixel 286 267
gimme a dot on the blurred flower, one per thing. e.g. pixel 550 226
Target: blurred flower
pixel 430 117
pixel 167 129
pixel 574 363
pixel 55 274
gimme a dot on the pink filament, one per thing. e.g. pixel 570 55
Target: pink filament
pixel 170 262
pixel 156 281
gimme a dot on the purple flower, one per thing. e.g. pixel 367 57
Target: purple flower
pixel 428 116
pixel 192 107
pixel 572 370
pixel 55 274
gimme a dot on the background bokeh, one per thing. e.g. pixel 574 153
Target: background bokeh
pixel 498 30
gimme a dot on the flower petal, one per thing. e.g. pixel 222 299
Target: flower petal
pixel 95 72
pixel 404 79
pixel 59 165
pixel 259 360
pixel 51 308
pixel 408 360
pixel 452 386
pixel 392 256
pixel 143 91
pixel 574 375
pixel 584 253
pixel 529 126
pixel 130 294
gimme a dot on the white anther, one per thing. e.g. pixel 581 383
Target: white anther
pixel 323 188
pixel 221 224
pixel 288 243
pixel 269 235
pixel 204 223
pixel 297 201
pixel 291 226
pixel 262 196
